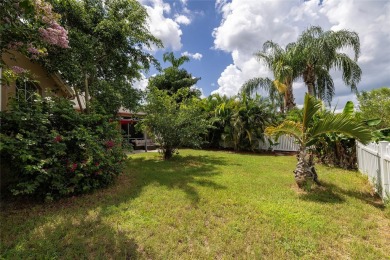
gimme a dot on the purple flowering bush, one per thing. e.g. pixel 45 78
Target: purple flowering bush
pixel 49 150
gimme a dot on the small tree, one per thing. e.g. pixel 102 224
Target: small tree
pixel 308 132
pixel 174 124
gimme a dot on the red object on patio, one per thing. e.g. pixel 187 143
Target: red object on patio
pixel 126 121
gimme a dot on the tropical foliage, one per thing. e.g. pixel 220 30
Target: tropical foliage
pixel 337 149
pixel 281 63
pixel 311 57
pixel 375 104
pixel 309 131
pixel 174 124
pixel 49 150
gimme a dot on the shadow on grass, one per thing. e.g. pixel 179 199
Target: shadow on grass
pixel 79 235
pixel 331 193
pixel 74 238
pixel 178 173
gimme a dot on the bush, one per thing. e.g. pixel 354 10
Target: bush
pixel 53 151
pixel 174 124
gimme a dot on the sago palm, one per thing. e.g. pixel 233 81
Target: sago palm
pixel 309 130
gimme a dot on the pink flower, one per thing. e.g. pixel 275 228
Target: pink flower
pixel 33 50
pixel 55 35
pixel 18 70
pixel 15 45
pixel 110 144
pixel 74 167
pixel 58 139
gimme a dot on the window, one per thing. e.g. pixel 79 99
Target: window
pixel 25 90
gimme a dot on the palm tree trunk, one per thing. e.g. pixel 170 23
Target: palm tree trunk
pixel 289 96
pixel 305 173
pixel 309 78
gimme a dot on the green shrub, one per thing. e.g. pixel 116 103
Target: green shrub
pixel 50 150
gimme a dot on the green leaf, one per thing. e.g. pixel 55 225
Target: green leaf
pixel 373 122
pixel 349 108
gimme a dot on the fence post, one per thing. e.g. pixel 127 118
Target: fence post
pixel 382 152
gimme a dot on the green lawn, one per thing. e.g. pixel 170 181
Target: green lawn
pixel 205 205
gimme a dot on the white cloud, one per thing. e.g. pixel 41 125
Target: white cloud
pixel 195 56
pixel 200 89
pixel 247 24
pixel 142 83
pixel 182 19
pixel 165 29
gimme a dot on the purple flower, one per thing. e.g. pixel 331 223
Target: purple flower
pixel 55 35
pixel 18 70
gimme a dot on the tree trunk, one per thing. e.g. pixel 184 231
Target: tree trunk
pixel 289 96
pixel 78 100
pixel 309 78
pixel 168 153
pixel 86 94
pixel 305 173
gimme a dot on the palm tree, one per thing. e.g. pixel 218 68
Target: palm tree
pixel 282 63
pixel 244 120
pixel 317 52
pixel 176 63
pixel 309 130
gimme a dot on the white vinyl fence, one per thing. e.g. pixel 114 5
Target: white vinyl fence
pixel 285 143
pixel 374 161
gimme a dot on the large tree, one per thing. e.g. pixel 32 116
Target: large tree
pixel 308 132
pixel 174 78
pixel 109 41
pixel 282 64
pixel 318 51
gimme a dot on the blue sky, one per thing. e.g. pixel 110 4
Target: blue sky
pixel 222 35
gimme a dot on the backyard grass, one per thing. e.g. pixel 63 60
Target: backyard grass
pixel 205 205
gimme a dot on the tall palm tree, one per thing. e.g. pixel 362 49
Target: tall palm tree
pixel 282 63
pixel 318 51
pixel 309 130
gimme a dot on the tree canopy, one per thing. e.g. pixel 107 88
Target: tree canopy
pixel 28 27
pixel 281 62
pixel 109 42
pixel 174 124
pixel 173 78
pixel 318 51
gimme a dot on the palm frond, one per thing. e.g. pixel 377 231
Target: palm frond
pixel 287 127
pixel 325 85
pixel 279 86
pixel 340 123
pixel 250 86
pixel 310 107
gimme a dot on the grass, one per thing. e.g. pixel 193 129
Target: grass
pixel 205 205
